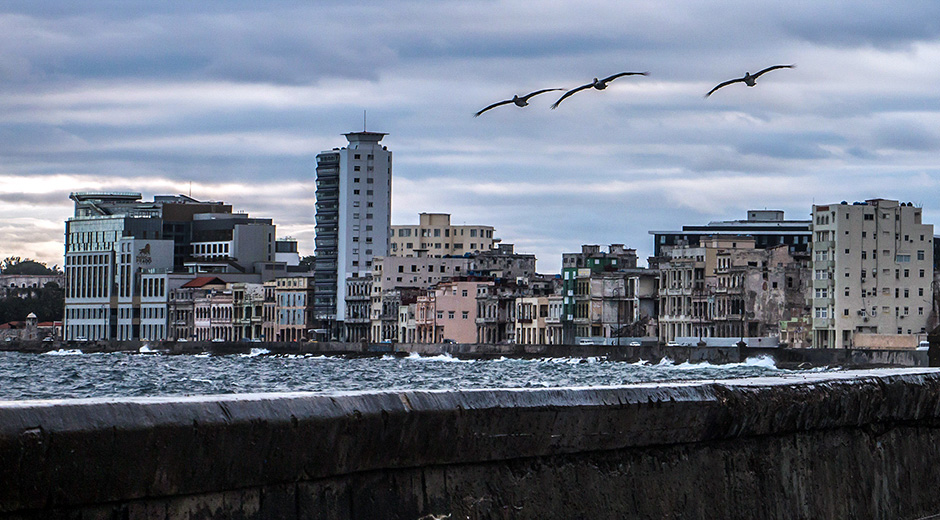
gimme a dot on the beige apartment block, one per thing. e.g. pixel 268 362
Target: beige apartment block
pixel 536 323
pixel 435 234
pixel 872 271
pixel 293 312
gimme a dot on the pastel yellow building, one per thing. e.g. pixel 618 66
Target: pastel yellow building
pixel 435 235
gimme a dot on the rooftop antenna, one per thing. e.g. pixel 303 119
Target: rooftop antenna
pixel 190 189
pixel 363 120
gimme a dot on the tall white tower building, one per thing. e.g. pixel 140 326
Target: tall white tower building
pixel 354 211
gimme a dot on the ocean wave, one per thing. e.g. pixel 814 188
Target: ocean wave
pixel 445 357
pixel 64 352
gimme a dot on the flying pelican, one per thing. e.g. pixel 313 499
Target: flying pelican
pixel 599 84
pixel 519 101
pixel 748 79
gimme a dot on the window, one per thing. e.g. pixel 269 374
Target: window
pixel 864 255
pixel 450 315
pixel 921 273
pixel 907 273
pixel 920 291
pixel 355 179
pixel 356 168
pixel 845 312
pixel 357 156
pixel 907 293
pixel 920 255
pixel 465 314
pixel 355 192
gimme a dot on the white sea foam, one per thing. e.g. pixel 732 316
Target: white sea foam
pixel 64 352
pixel 641 363
pixel 255 352
pixel 760 361
pixel 445 357
pixel 145 349
pixel 202 355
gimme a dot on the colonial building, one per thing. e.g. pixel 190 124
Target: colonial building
pixel 294 308
pixel 448 311
pixel 726 287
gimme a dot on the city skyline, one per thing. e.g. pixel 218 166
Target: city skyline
pixel 234 101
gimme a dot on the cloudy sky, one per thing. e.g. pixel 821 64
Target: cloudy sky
pixel 233 100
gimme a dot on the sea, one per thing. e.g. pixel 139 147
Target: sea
pixel 69 374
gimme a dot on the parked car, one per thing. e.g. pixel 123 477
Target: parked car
pixel 635 344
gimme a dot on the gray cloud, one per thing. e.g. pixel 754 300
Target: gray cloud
pixel 152 96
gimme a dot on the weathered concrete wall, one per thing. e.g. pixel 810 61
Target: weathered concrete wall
pixel 843 445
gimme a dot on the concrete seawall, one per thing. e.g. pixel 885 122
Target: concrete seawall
pixel 862 444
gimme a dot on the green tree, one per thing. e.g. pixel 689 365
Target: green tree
pixel 47 303
pixel 17 265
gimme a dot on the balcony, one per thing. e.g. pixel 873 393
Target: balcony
pixel 821 323
pixel 822 284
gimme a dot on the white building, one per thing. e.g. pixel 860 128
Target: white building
pixel 872 272
pixel 354 199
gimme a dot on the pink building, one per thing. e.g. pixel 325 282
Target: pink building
pixel 449 311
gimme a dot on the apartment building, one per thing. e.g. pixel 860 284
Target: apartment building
pixel 538 320
pixel 115 240
pixel 768 228
pixel 448 311
pixel 872 271
pixel 435 235
pixel 353 215
pixel 727 287
pixel 294 308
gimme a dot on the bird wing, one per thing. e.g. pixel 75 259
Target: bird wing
pixel 615 76
pixel 570 92
pixel 537 92
pixel 725 84
pixel 494 105
pixel 768 69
